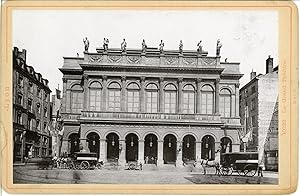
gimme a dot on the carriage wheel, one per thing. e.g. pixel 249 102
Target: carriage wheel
pixel 249 171
pixel 226 171
pixel 85 165
pixel 241 173
pixel 71 166
pixel 132 166
pixel 99 166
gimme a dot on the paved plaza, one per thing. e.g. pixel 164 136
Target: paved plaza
pixel 25 175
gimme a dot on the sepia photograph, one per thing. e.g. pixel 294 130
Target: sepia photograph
pixel 138 96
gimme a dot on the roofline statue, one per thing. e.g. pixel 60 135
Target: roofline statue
pixel 219 46
pixel 161 46
pixel 180 47
pixel 144 46
pixel 123 46
pixel 105 44
pixel 86 44
pixel 199 49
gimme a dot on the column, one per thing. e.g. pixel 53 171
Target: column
pixel 142 96
pixel 198 97
pixel 237 100
pixel 217 95
pixel 217 146
pixel 64 97
pixel 160 152
pixel 68 100
pixel 104 93
pixel 122 150
pixel 83 142
pixel 141 152
pixel 85 91
pixel 179 162
pixel 198 150
pixel 180 95
pixel 161 95
pixel 102 150
pixel 123 93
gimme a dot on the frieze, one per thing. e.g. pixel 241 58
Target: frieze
pixel 152 61
pixel 114 59
pixel 208 61
pixel 95 58
pixel 133 59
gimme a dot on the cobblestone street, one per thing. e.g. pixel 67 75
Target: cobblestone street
pixel 23 175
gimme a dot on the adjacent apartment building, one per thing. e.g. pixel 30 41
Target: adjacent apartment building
pixel 150 105
pixel 259 114
pixel 31 110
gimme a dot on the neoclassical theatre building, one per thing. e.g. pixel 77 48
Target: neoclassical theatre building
pixel 150 105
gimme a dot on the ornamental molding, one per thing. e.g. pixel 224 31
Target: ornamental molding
pixel 95 58
pixel 133 59
pixel 190 61
pixel 171 60
pixel 114 59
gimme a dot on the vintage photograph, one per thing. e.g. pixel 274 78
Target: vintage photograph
pixel 145 96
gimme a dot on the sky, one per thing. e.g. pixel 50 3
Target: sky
pixel 248 37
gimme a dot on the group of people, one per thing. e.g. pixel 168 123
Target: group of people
pixel 144 46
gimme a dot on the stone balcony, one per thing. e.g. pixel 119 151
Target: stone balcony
pixel 153 118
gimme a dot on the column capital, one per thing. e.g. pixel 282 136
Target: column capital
pixel 102 140
pixel 65 80
pixel 85 77
pixel 198 80
pixel 180 79
pixel 142 78
pixel 237 85
pixel 160 140
pixel 217 80
pixel 123 78
pixel 161 79
pixel 104 77
pixel 141 140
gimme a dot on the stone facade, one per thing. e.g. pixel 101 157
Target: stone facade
pixel 259 114
pixel 150 106
pixel 31 110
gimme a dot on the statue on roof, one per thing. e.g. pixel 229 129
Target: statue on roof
pixel 199 49
pixel 180 47
pixel 144 46
pixel 123 46
pixel 105 44
pixel 86 44
pixel 219 46
pixel 161 46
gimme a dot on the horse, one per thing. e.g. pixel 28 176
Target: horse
pixel 211 163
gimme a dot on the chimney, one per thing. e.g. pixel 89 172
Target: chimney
pixel 269 65
pixel 252 74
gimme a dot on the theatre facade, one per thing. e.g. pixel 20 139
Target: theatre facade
pixel 149 105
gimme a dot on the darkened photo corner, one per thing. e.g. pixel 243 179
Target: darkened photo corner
pixel 145 97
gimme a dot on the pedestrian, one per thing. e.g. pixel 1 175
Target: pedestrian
pixel 260 171
pixel 141 166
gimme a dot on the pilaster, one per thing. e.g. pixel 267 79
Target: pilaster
pixel 122 150
pixel 180 95
pixel 123 94
pixel 198 97
pixel 64 97
pixel 160 148
pixel 142 96
pixel 102 150
pixel 237 100
pixel 141 151
pixel 179 162
pixel 161 95
pixel 85 92
pixel 104 93
pixel 198 150
pixel 217 107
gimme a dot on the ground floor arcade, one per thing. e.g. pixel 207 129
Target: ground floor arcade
pixel 150 144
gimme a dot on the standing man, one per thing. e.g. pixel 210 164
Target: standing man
pixel 161 46
pixel 123 46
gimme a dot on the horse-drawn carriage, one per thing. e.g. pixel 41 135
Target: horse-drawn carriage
pixel 83 160
pixel 244 163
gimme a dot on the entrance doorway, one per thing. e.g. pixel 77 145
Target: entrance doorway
pixel 74 143
pixel 150 152
pixel 132 145
pixel 189 148
pixel 93 141
pixel 208 148
pixel 170 146
pixel 112 140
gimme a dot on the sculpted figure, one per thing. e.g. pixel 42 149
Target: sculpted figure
pixel 161 46
pixel 123 45
pixel 180 47
pixel 144 46
pixel 86 44
pixel 219 46
pixel 199 49
pixel 105 44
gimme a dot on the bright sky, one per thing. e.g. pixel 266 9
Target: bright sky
pixel 248 37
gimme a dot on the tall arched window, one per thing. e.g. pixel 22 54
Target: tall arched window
pixel 114 97
pixel 225 103
pixel 133 97
pixel 170 98
pixel 207 99
pixel 152 98
pixel 76 98
pixel 189 99
pixel 95 96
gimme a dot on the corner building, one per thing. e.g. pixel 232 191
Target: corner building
pixel 168 107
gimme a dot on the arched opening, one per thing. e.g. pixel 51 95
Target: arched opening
pixel 189 99
pixel 152 98
pixel 93 141
pixel 207 99
pixel 170 146
pixel 132 145
pixel 208 148
pixel 112 140
pixel 170 95
pixel 150 152
pixel 133 98
pixel 225 103
pixel 226 146
pixel 189 148
pixel 74 143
